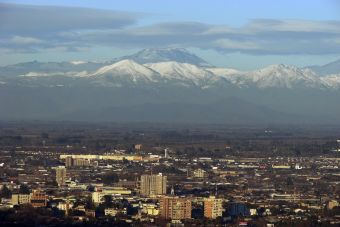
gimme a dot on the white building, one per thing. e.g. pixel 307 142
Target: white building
pixel 98 196
pixel 113 211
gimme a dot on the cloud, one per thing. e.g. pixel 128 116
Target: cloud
pixel 236 45
pixel 28 19
pixel 257 37
pixel 43 28
pixel 265 25
pixel 21 40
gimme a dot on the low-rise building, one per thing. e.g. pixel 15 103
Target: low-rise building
pixel 199 173
pixel 150 209
pixel 113 211
pixel 18 199
pixel 38 198
pixel 98 196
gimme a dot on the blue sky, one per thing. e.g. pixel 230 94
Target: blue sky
pixel 240 34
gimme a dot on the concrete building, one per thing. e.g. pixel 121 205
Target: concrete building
pixel 18 199
pixel 150 209
pixel 114 211
pixel 166 153
pixel 98 196
pixel 81 162
pixel 115 157
pixel 151 185
pixel 68 162
pixel 199 173
pixel 76 162
pixel 213 207
pixel 331 204
pixel 65 206
pixel 60 175
pixel 38 198
pixel 175 208
pixel 138 147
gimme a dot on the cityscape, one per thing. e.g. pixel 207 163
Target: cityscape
pixel 100 175
pixel 170 113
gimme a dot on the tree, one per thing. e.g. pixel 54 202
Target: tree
pixel 108 201
pixel 110 178
pixel 297 152
pixel 90 188
pixel 289 181
pixel 24 189
pixel 125 161
pixel 89 204
pixel 5 192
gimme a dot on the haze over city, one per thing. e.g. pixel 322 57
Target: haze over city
pixel 169 113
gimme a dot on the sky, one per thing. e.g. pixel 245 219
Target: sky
pixel 243 34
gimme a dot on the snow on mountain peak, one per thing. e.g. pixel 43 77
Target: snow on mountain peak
pixel 130 71
pixel 331 81
pixel 127 66
pixel 283 76
pixel 126 71
pixel 181 71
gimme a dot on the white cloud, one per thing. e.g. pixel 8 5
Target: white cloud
pixel 22 40
pixel 236 45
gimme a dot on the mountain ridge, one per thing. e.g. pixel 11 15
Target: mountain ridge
pixel 129 71
pixel 168 91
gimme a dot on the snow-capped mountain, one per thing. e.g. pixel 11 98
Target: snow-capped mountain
pixel 129 72
pixel 180 85
pixel 331 81
pixel 284 76
pixel 124 72
pixel 183 72
pixel 277 76
pixel 166 66
pixel 234 76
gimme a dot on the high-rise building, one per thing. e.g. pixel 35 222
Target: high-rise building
pixel 60 175
pixel 166 153
pixel 213 207
pixel 153 184
pixel 68 161
pixel 175 208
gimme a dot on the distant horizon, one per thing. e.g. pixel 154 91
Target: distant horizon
pixel 115 58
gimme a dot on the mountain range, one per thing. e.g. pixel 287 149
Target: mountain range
pixel 169 85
